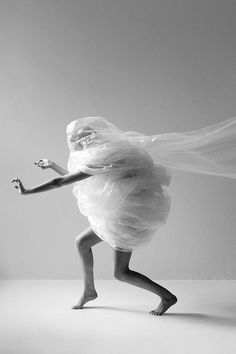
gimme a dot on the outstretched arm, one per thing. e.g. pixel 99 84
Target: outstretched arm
pixel 60 170
pixel 51 184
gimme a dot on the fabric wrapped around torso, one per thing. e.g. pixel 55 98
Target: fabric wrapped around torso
pixel 125 200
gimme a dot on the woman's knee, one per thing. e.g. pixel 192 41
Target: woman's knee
pixel 81 242
pixel 86 239
pixel 121 265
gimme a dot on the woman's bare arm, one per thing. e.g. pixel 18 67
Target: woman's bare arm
pixel 45 164
pixel 60 170
pixel 51 184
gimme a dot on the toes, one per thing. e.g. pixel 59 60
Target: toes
pixel 156 313
pixel 76 307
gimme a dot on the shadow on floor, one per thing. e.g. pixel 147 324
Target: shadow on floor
pixel 194 318
pixel 215 320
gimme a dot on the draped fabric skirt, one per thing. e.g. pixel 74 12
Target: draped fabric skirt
pixel 124 212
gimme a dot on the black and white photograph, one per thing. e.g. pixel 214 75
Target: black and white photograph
pixel 118 178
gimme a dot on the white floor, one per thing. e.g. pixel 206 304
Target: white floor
pixel 35 318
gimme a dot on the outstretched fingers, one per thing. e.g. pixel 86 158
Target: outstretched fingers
pixel 16 180
pixel 19 185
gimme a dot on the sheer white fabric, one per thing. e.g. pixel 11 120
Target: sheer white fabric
pixel 126 200
pixel 210 150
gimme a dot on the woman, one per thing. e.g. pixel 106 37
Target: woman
pixel 120 181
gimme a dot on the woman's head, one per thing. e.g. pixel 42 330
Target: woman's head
pixel 88 132
pixel 78 139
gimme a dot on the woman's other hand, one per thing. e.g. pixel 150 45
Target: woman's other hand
pixel 44 163
pixel 19 185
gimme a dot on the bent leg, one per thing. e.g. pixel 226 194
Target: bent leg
pixel 84 242
pixel 123 273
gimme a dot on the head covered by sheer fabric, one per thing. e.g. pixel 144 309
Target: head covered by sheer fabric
pixel 90 132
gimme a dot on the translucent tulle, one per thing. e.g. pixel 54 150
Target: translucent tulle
pixel 125 199
pixel 210 150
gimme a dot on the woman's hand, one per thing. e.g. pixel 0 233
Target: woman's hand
pixel 44 163
pixel 19 186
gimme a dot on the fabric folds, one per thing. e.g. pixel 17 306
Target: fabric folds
pixel 125 199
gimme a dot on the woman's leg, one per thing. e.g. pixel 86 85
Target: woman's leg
pixel 84 242
pixel 123 273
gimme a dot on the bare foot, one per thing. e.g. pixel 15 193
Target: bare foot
pixel 164 305
pixel 85 298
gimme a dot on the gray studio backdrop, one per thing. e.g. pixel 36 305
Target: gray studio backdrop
pixel 151 66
